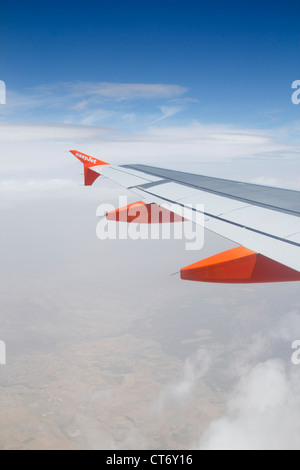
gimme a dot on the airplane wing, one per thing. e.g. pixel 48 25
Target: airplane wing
pixel 263 221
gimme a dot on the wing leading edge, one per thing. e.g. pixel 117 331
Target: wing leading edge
pixel 263 221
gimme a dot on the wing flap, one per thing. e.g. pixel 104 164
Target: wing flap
pixel 239 266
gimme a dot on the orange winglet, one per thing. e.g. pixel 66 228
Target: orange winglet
pixel 88 162
pixel 142 213
pixel 240 266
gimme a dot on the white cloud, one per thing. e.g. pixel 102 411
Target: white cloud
pixel 287 327
pixel 90 103
pixel 34 152
pixel 263 408
pixel 16 191
pixel 167 111
pixel 92 117
pixel 117 91
pixel 42 132
pixel 80 105
pixel 262 412
pixel 194 369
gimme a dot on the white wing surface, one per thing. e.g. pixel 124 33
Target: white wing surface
pixel 263 221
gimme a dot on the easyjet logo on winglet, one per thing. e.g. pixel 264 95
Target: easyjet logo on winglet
pixel 86 158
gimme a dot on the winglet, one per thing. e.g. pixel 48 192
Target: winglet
pixel 89 162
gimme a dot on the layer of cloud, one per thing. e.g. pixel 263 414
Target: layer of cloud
pixel 41 151
pixel 90 103
pixel 194 369
pixel 263 407
pixel 195 139
pixel 262 412
pixel 116 91
pixel 168 111
pixel 42 132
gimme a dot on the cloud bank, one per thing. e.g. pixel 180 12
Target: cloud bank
pixel 88 103
pixel 262 412
pixel 263 407
pixel 194 369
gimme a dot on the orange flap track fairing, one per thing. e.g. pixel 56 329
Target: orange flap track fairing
pixel 142 213
pixel 239 266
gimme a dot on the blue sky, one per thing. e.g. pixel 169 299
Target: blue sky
pixel 234 62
